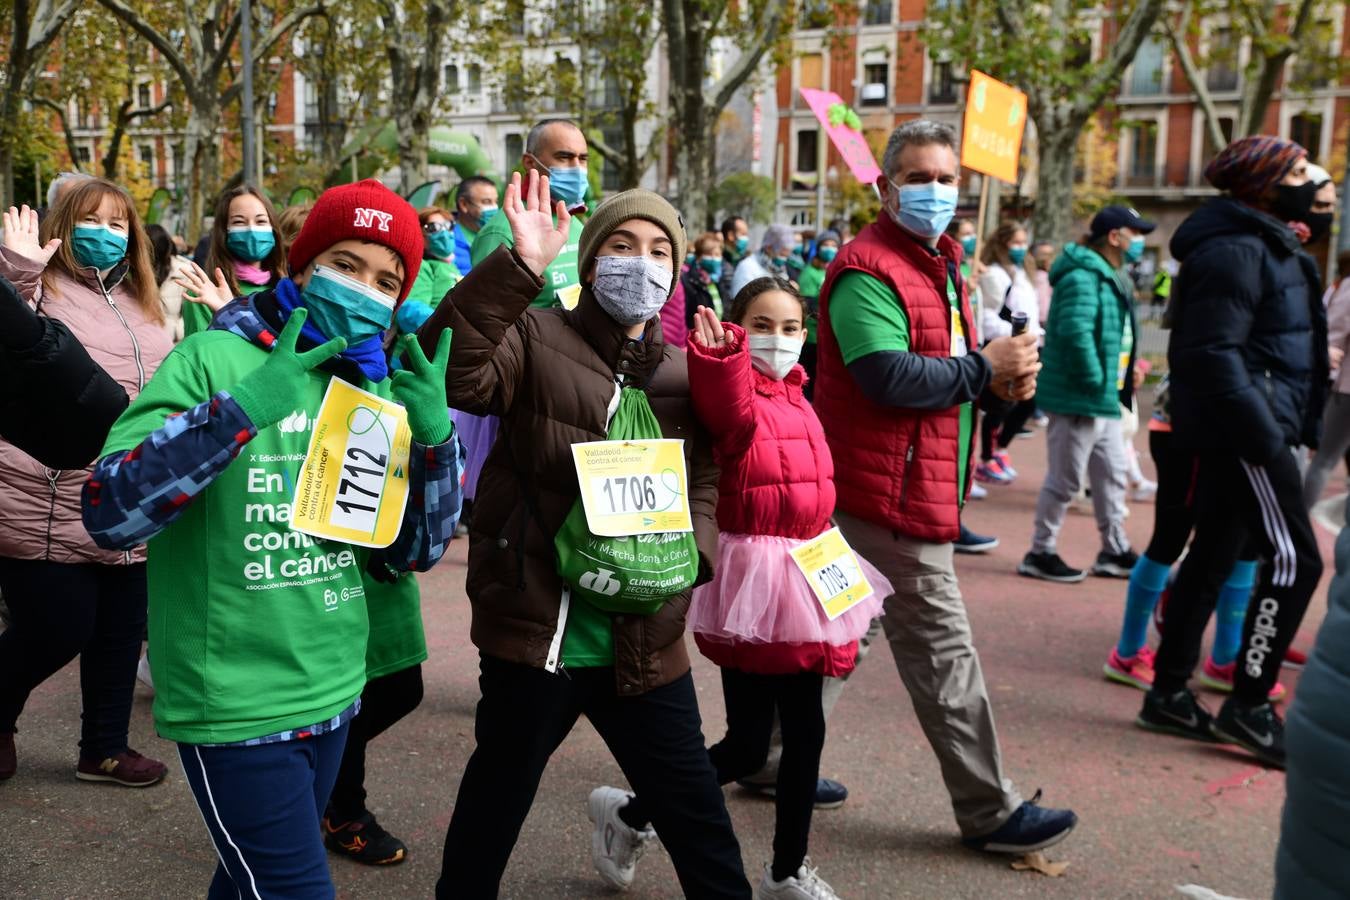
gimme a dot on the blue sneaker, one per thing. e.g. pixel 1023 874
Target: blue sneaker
pixel 830 794
pixel 1030 827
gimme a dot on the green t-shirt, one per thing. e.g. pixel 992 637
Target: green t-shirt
pixel 866 318
pixel 809 283
pixel 197 316
pixel 589 637
pixel 397 639
pixel 254 628
pixel 434 280
pixel 561 275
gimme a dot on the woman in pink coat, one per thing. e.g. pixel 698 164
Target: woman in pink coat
pixel 758 618
pixel 89 266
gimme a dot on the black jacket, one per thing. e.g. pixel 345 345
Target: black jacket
pixel 56 404
pixel 1248 352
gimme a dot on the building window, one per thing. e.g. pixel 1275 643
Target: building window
pixel 146 154
pixel 452 79
pixel 1223 72
pixel 942 84
pixel 475 83
pixel 564 82
pixel 817 14
pixel 311 103
pixel 876 79
pixel 83 154
pixel 143 96
pixel 1143 146
pixel 1146 73
pixel 609 172
pixel 515 149
pixel 1207 149
pixel 811 71
pixel 1305 129
pixel 877 12
pixel 808 146
pixel 1312 73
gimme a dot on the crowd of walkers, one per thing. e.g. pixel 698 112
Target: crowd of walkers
pixel 818 393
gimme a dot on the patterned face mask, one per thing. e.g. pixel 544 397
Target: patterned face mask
pixel 631 289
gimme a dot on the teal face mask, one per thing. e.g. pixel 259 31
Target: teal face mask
pixel 442 243
pixel 712 265
pixel 1135 249
pixel 250 244
pixel 690 259
pixel 485 215
pixel 98 246
pixel 340 306
pixel 742 244
pixel 1017 254
pixel 827 254
pixel 968 243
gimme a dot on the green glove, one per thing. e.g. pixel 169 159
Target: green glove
pixel 421 390
pixel 267 394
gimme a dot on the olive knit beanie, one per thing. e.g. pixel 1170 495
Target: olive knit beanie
pixel 634 204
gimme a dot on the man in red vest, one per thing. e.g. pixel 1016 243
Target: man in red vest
pixel 896 386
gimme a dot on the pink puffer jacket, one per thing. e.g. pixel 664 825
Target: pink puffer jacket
pixel 40 507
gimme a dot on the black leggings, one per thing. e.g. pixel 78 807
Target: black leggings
pixel 1174 506
pixel 1002 427
pixel 1240 506
pixel 62 610
pixel 751 701
pixel 384 701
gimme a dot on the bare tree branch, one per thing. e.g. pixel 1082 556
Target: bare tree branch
pixel 766 34
pixel 1107 76
pixel 137 23
pixel 1177 36
pixel 60 111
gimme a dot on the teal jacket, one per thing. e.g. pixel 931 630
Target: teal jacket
pixel 1083 335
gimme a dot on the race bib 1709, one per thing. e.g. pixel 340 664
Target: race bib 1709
pixel 831 569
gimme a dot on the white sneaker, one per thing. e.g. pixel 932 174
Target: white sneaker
pixel 143 673
pixel 978 492
pixel 1144 492
pixel 805 885
pixel 615 846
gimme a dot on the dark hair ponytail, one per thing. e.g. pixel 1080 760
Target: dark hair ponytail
pixel 741 304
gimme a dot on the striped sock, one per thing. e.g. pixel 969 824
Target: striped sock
pixel 1231 611
pixel 1147 580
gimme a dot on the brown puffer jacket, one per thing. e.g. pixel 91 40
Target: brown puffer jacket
pixel 550 375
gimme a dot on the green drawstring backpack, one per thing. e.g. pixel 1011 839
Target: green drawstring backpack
pixel 634 574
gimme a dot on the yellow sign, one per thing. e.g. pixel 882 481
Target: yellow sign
pixel 633 487
pixel 832 570
pixel 996 116
pixel 353 486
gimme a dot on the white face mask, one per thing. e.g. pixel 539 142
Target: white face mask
pixel 774 354
pixel 631 289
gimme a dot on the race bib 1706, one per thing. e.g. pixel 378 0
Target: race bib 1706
pixel 633 487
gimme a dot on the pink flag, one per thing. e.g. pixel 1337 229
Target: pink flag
pixel 848 140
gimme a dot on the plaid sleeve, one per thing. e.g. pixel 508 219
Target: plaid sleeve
pixel 134 494
pixel 436 475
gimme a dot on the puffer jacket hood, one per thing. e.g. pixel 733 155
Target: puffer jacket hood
pixel 40 514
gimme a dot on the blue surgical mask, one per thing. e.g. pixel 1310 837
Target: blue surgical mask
pixel 441 244
pixel 1017 254
pixel 341 306
pixel 712 265
pixel 1135 249
pixel 742 243
pixel 567 184
pixel 98 246
pixel 924 210
pixel 968 243
pixel 827 254
pixel 250 244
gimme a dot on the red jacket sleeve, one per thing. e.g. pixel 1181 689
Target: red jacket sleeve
pixel 722 386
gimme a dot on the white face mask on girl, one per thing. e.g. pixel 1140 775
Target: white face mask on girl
pixel 631 289
pixel 774 354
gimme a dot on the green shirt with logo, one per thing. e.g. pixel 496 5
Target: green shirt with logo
pixel 254 628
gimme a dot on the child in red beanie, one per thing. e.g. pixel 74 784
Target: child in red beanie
pixel 258 632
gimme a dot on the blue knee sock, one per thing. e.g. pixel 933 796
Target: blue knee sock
pixel 1231 611
pixel 1147 580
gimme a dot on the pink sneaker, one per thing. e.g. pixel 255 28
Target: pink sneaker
pixel 992 473
pixel 1220 678
pixel 1005 463
pixel 1136 671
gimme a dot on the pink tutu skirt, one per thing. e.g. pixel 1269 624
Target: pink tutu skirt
pixel 759 596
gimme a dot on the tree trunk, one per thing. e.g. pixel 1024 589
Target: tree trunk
pixel 16 71
pixel 1057 142
pixel 201 151
pixel 412 151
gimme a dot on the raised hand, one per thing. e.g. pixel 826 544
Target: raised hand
pixel 708 331
pixel 199 289
pixel 421 390
pixel 538 240
pixel 21 235
pixel 267 394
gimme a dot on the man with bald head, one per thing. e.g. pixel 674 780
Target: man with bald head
pixel 556 148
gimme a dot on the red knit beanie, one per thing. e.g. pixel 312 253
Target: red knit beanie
pixel 366 211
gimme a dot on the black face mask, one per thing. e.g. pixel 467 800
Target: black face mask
pixel 1294 202
pixel 1318 225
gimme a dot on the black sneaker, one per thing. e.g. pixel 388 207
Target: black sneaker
pixel 1256 729
pixel 1049 567
pixel 1115 565
pixel 1178 714
pixel 970 542
pixel 363 840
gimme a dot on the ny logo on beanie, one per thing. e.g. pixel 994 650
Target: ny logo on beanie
pixel 370 218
